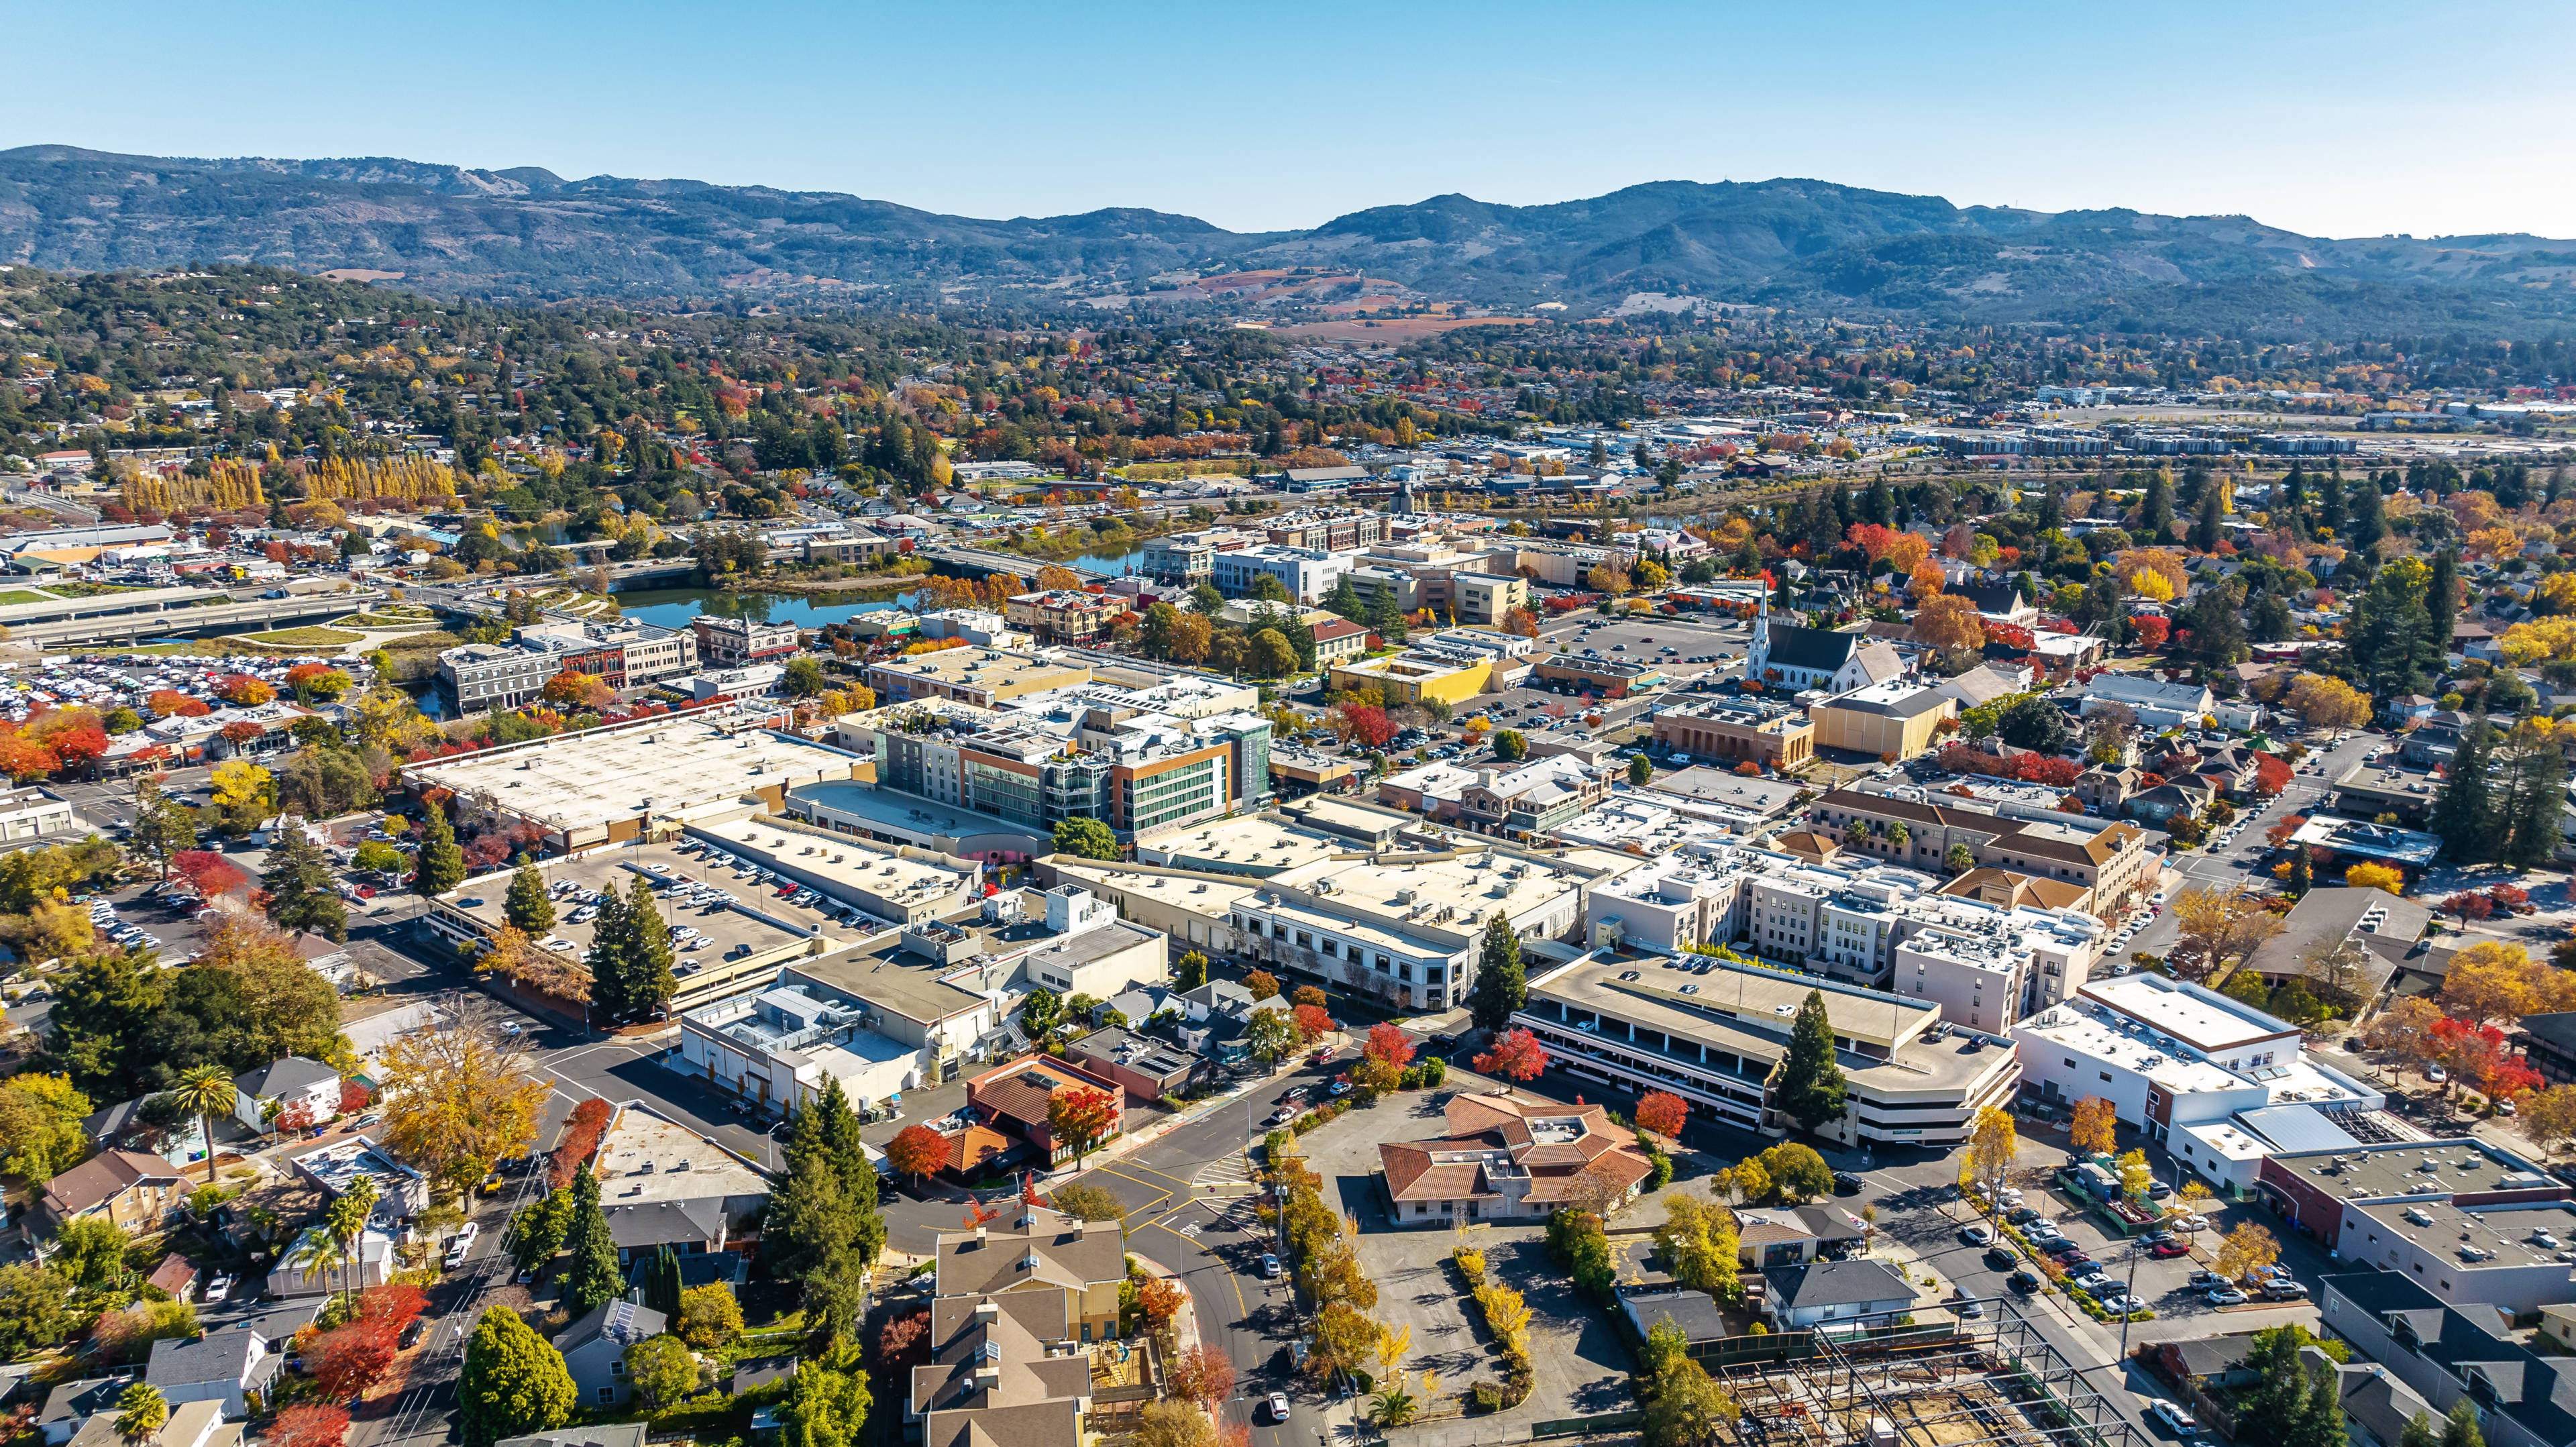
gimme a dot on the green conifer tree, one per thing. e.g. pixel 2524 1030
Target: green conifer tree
pixel 301 893
pixel 612 999
pixel 2442 599
pixel 527 907
pixel 2463 815
pixel 1501 986
pixel 650 984
pixel 2539 788
pixel 592 1277
pixel 2158 519
pixel 442 864
pixel 1812 1088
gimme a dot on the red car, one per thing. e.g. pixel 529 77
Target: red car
pixel 366 891
pixel 2167 1250
pixel 785 890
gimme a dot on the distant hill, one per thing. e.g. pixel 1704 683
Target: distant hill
pixel 1809 245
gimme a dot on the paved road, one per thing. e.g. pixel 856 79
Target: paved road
pixel 2243 861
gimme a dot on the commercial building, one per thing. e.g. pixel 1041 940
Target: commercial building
pixel 2352 1200
pixel 635 780
pixel 916 1006
pixel 1487 598
pixel 1891 720
pixel 1602 677
pixel 734 642
pixel 983 677
pixel 974 625
pixel 1338 640
pixel 2158 706
pixel 1417 677
pixel 1066 615
pixel 1524 803
pixel 1777 735
pixel 1190 558
pixel 1503 1158
pixel 478 677
pixel 1331 530
pixel 2220 1083
pixel 30 814
pixel 1309 575
pixel 1717 1039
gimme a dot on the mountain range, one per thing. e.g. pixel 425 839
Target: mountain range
pixel 1810 246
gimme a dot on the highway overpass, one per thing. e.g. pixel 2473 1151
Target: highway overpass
pixel 255 616
pixel 979 563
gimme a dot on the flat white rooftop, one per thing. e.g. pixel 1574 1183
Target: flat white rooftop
pixel 2192 1018
pixel 669 767
pixel 2090 1037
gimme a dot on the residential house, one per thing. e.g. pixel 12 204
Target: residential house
pixel 1507 1158
pixel 190 1424
pixel 1041 1251
pixel 135 1191
pixel 2406 710
pixel 70 1404
pixel 688 1227
pixel 265 1097
pixel 1999 602
pixel 594 1349
pixel 2159 805
pixel 228 1364
pixel 1819 1294
pixel 604 1434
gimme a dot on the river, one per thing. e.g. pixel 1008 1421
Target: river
pixel 674 607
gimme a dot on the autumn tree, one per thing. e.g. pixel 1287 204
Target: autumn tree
pixel 2094 1127
pixel 458 1096
pixel 1949 623
pixel 1661 1112
pixel 2245 1250
pixel 1079 1118
pixel 2548 1117
pixel 2219 925
pixel 1516 1055
pixel 1385 1053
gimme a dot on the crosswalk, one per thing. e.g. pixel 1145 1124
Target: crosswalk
pixel 1230 1169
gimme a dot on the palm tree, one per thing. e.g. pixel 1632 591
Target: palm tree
pixel 346 1223
pixel 206 1092
pixel 315 1252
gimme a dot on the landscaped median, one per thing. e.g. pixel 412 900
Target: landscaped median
pixel 1507 1316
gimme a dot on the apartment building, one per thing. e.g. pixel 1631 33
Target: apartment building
pixel 2111 860
pixel 1330 530
pixel 1338 640
pixel 1190 558
pixel 1065 615
pixel 477 677
pixel 1526 803
pixel 733 642
pixel 1717 1039
pixel 1777 735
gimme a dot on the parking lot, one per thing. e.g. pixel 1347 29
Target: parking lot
pixel 712 911
pixel 1581 1367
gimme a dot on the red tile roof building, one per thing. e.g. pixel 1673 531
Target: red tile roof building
pixel 1014 1100
pixel 1507 1157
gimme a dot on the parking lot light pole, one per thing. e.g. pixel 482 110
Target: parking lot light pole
pixel 2129 1292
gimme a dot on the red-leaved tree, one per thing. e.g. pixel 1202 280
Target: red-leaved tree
pixel 581 1137
pixel 346 1360
pixel 917 1151
pixel 2150 632
pixel 211 873
pixel 354 1097
pixel 905 1342
pixel 2271 775
pixel 1311 1020
pixel 308 1426
pixel 1203 1374
pixel 1516 1055
pixel 1663 1113
pixel 396 1304
pixel 1080 1118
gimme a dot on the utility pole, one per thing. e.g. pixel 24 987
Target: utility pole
pixel 2129 1292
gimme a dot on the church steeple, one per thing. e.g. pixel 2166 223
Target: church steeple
pixel 1758 654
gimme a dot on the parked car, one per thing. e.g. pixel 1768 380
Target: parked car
pixel 1846 1181
pixel 1977 1235
pixel 2021 1215
pixel 2167 1250
pixel 1269 1266
pixel 219 1289
pixel 2123 1305
pixel 1278 1406
pixel 2176 1418
pixel 2001 1258
pixel 2226 1296
pixel 2203 1280
pixel 2024 1281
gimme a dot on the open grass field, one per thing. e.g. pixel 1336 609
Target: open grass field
pixel 304 638
pixel 21 595
pixel 412 642
pixel 383 622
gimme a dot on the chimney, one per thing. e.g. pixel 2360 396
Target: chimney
pixel 987 1312
pixel 980 1235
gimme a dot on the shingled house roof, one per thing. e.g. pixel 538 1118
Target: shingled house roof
pixel 1495 1131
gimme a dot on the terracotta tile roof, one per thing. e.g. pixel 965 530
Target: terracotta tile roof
pixel 975 1145
pixel 1413 1173
pixel 1021 1090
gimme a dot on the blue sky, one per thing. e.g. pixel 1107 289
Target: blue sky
pixel 2346 119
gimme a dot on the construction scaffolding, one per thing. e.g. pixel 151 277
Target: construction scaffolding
pixel 1995 1381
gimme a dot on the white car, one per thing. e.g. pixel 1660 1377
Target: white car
pixel 2436 1074
pixel 1278 1406
pixel 219 1289
pixel 2175 1417
pixel 1977 1235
